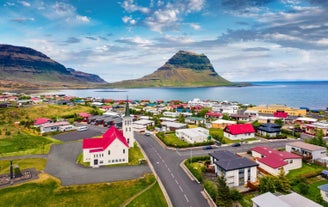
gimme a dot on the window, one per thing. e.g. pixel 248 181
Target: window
pixel 291 161
pixel 128 140
pixel 123 151
pixel 108 152
pixel 101 162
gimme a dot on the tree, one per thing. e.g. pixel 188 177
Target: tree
pixel 181 118
pixel 223 198
pixel 279 122
pixel 318 139
pixel 226 116
pixel 283 182
pixel 267 184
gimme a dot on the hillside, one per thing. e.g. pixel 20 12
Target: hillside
pixel 184 69
pixel 25 67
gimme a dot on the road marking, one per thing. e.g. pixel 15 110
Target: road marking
pixel 186 198
pixel 172 175
pixel 178 153
pixel 176 181
pixel 169 169
pixel 180 188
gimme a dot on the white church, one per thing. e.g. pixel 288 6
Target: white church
pixel 112 147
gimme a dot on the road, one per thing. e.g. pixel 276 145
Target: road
pixel 180 188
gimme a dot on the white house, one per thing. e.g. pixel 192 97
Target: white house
pixel 272 161
pixel 239 131
pixel 172 126
pixel 306 150
pixel 111 148
pixel 236 170
pixel 193 135
pixel 290 200
pixel 52 127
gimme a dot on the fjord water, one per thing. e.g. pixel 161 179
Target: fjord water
pixel 311 94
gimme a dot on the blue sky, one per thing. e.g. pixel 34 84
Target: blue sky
pixel 245 40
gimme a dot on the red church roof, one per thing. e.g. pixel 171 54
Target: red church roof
pixel 100 144
pixel 235 129
pixel 274 158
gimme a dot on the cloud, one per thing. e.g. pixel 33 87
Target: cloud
pixel 129 20
pixel 256 49
pixel 195 26
pixel 131 6
pixel 24 3
pixel 22 19
pixel 72 40
pixel 163 19
pixel 135 41
pixel 9 3
pixel 83 19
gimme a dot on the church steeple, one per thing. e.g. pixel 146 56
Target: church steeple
pixel 127 109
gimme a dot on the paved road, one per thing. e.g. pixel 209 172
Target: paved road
pixel 181 190
pixel 61 164
pixel 75 135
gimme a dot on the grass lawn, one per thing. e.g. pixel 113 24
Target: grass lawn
pixel 172 140
pixel 152 197
pixel 37 163
pixel 306 169
pixel 24 143
pixel 49 192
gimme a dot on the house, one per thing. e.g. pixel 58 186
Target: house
pixel 236 170
pixel 39 121
pixel 307 151
pixel 314 127
pixel 195 120
pixel 212 114
pixel 222 123
pixel 239 131
pixel 193 135
pixel 290 200
pixel 85 116
pixel 240 117
pixel 271 109
pixel 269 129
pixel 52 127
pixel 253 114
pixel 172 126
pixel 280 114
pixel 324 192
pixel 111 148
pixel 271 161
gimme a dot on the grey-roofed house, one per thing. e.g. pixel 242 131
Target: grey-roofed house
pixel 269 129
pixel 236 170
pixel 324 192
pixel 290 200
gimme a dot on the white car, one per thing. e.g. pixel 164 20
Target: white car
pixel 81 128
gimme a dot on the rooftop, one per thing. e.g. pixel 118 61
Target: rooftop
pixel 306 146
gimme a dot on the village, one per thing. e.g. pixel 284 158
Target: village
pixel 218 139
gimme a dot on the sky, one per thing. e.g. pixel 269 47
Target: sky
pixel 245 40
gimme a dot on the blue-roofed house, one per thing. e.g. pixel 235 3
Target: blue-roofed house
pixel 269 129
pixel 324 192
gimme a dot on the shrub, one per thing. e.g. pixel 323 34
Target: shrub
pixel 211 188
pixel 235 195
pixel 303 187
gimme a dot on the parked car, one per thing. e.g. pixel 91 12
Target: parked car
pixel 147 133
pixel 237 144
pixel 82 128
pixel 208 147
pixel 217 143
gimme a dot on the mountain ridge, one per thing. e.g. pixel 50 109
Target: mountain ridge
pixel 183 69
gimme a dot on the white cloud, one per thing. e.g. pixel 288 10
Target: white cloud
pixel 24 3
pixel 163 19
pixel 129 20
pixel 83 19
pixel 323 42
pixel 130 6
pixel 195 5
pixel 195 26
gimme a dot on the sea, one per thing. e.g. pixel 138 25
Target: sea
pixel 310 94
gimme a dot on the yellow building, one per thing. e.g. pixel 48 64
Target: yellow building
pixel 271 109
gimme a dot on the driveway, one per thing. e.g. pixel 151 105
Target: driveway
pixel 61 163
pixel 75 135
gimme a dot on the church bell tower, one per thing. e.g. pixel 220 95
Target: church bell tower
pixel 127 125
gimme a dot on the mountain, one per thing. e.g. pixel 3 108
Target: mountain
pixel 184 69
pixel 26 67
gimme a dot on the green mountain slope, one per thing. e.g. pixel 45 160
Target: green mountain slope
pixel 184 69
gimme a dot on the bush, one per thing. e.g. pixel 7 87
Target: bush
pixel 235 195
pixel 198 175
pixel 211 188
pixel 303 187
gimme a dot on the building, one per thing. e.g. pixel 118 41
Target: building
pixel 269 129
pixel 111 148
pixel 127 126
pixel 271 161
pixel 239 131
pixel 52 127
pixel 195 120
pixel 241 117
pixel 307 151
pixel 193 135
pixel 314 127
pixel 290 200
pixel 222 123
pixel 271 109
pixel 172 126
pixel 236 170
pixel 39 121
pixel 324 192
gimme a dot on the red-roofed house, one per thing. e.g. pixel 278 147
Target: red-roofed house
pixel 111 148
pixel 271 160
pixel 239 131
pixel 280 114
pixel 212 114
pixel 85 116
pixel 39 121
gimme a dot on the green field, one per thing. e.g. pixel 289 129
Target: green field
pixel 49 192
pixel 37 163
